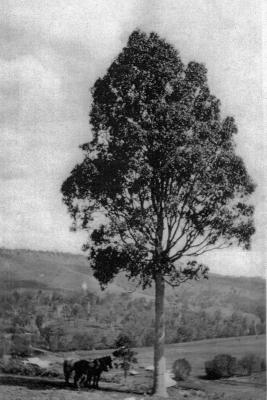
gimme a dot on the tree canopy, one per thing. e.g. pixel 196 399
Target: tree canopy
pixel 161 169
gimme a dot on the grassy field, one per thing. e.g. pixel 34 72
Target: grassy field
pixel 195 352
pixel 23 268
pixel 200 351
pixel 252 388
pixel 237 388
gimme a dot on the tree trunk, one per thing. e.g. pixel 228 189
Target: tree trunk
pixel 159 386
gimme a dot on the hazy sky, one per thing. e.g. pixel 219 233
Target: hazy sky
pixel 51 54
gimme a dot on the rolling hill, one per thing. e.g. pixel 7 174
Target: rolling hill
pixel 65 271
pixel 62 289
pixel 47 270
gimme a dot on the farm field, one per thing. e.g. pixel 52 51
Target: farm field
pixel 245 388
pixel 200 351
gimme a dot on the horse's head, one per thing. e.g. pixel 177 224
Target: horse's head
pixel 106 363
pixel 120 352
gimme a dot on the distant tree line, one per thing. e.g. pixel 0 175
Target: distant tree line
pixel 62 321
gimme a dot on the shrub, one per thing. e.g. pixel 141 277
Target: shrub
pixel 181 369
pixel 20 345
pixel 124 340
pixel 222 366
pixel 17 367
pixel 12 366
pixel 126 357
pixel 32 370
pixel 250 363
pixel 241 369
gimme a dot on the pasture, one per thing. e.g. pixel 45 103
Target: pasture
pixel 200 351
pixel 114 387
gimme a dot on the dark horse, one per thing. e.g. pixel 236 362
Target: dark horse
pixel 86 371
pixel 100 365
pixel 68 366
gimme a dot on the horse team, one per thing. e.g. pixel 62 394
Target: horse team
pixel 88 372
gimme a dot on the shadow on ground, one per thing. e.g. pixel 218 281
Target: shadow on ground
pixel 36 383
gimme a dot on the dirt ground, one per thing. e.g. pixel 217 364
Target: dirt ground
pixel 26 388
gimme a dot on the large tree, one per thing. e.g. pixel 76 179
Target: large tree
pixel 162 172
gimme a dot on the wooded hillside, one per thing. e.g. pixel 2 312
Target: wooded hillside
pixel 54 298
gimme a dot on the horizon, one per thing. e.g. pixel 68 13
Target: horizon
pixel 83 254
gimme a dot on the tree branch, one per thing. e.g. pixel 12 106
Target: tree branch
pixel 205 249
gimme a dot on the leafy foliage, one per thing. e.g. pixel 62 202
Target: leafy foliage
pixel 161 169
pixel 125 354
pixel 222 366
pixel 124 340
pixel 190 315
pixel 251 363
pixel 181 369
pixel 18 367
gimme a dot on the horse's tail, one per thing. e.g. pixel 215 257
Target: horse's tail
pixel 68 366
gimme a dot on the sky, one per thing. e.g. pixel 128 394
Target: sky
pixel 51 54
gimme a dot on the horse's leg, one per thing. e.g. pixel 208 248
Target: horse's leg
pixel 94 378
pixel 66 375
pixel 75 380
pixel 69 376
pixel 82 380
pixel 97 380
pixel 77 376
pixel 88 379
pixel 66 370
